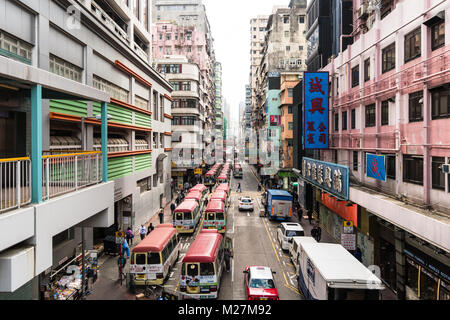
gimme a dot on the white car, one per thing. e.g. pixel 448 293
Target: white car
pixel 286 231
pixel 246 203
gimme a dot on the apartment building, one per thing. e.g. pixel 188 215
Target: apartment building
pixel 188 116
pixel 219 110
pixel 390 99
pixel 84 133
pixel 258 32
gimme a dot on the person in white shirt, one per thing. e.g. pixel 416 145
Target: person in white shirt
pixel 142 231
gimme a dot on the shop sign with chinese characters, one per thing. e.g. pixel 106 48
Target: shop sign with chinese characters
pixel 315 101
pixel 330 177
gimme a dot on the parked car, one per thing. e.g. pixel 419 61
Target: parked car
pixel 287 230
pixel 259 283
pixel 246 203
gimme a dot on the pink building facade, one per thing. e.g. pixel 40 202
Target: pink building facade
pixel 390 95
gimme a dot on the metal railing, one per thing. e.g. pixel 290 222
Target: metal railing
pixel 109 22
pixel 15 183
pixel 65 173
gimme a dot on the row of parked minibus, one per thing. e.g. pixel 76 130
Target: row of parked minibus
pixel 154 257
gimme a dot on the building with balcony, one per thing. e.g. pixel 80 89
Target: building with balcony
pixel 188 112
pixel 85 134
pixel 390 97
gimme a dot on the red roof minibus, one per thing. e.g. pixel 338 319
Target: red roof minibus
pixel 186 216
pixel 202 267
pixel 153 257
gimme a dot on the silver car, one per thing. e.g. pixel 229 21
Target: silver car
pixel 246 203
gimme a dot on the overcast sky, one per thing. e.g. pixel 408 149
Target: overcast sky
pixel 230 26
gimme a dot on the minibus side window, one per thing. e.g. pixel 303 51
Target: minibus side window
pixel 183 269
pixel 219 216
pixel 207 269
pixel 153 258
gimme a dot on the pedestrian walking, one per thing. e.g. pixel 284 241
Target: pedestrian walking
pixel 319 233
pixel 161 216
pixel 300 213
pixel 172 207
pixel 309 216
pixel 227 257
pixel 129 235
pixel 210 189
pixel 239 188
pixel 125 249
pixel 121 263
pixel 142 232
pixel 150 228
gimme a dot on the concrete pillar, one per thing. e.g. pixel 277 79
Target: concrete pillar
pixel 36 143
pixel 105 142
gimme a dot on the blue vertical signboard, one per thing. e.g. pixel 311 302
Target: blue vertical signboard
pixel 315 111
pixel 376 166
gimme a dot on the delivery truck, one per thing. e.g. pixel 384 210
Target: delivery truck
pixel 329 272
pixel 279 205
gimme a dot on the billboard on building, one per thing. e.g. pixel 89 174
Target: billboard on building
pixel 315 102
pixel 376 166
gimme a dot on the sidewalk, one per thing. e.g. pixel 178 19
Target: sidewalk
pixel 107 286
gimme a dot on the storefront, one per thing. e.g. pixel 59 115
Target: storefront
pixel 65 282
pixel 426 277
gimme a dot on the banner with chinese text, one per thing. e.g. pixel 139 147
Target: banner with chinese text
pixel 315 102
pixel 332 178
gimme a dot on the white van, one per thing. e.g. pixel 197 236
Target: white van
pixel 296 249
pixel 287 230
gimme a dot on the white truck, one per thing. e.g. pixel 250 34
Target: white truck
pixel 329 272
pixel 296 249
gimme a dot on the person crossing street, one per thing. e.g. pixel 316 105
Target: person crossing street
pixel 142 231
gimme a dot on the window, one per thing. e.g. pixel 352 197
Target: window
pixel 353 119
pixel 385 113
pixel 155 105
pixel 144 184
pixel 388 59
pixel 136 8
pixel 437 175
pixel 286 34
pixel 114 91
pixel 290 143
pixel 186 86
pixel 288 48
pixel 286 19
pixel 413 169
pixel 390 167
pixel 440 102
pixel 65 69
pixel 291 126
pixel 336 122
pixel 161 141
pixel 155 140
pixel 141 102
pixel 299 62
pixel 15 48
pixel 344 120
pixel 412 45
pixel 367 70
pixel 370 116
pixel 415 106
pixel 290 108
pixel 301 19
pixel 175 85
pixel 355 160
pixel 168 36
pixel 355 76
pixel 438 35
pixel 291 94
pixel 161 108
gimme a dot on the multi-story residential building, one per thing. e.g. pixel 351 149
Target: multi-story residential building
pixel 86 122
pixel 182 28
pixel 257 35
pixel 390 97
pixel 188 112
pixel 284 53
pixel 219 107
pixel 247 121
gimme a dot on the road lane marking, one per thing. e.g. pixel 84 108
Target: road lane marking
pixel 279 261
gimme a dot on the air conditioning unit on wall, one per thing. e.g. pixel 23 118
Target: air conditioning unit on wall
pixel 362 11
